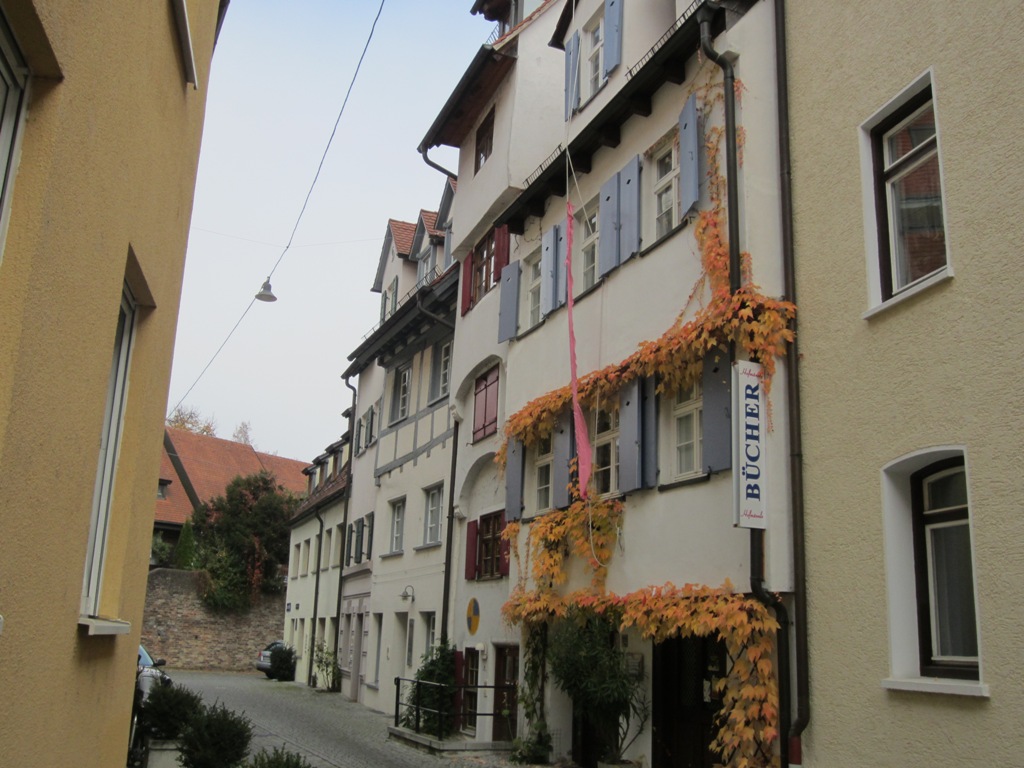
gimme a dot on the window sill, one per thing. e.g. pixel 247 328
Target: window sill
pixel 942 276
pixel 683 482
pixel 664 238
pixel 428 545
pixel 484 437
pixel 96 626
pixel 937 685
pixel 523 334
pixel 388 555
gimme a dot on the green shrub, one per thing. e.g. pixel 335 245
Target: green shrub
pixel 279 758
pixel 169 709
pixel 282 663
pixel 327 668
pixel 185 551
pixel 215 738
pixel 435 704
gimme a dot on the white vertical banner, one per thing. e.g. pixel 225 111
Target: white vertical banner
pixel 749 435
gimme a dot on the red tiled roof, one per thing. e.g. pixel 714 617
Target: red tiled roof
pixel 210 464
pixel 430 223
pixel 402 233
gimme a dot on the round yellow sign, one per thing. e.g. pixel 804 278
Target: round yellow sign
pixel 473 616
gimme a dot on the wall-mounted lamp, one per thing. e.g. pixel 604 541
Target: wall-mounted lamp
pixel 482 650
pixel 408 593
pixel 265 293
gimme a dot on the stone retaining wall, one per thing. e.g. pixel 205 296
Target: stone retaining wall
pixel 179 628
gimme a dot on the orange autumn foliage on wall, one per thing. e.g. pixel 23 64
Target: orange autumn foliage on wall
pixel 586 532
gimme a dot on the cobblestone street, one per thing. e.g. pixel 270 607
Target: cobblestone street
pixel 326 729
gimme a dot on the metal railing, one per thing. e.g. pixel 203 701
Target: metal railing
pixel 438 709
pixel 425 279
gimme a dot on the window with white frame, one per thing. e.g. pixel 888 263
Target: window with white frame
pixel 432 515
pixel 908 195
pixel 489 545
pixel 389 300
pixel 542 475
pixel 110 441
pixel 401 388
pixel 13 81
pixel 934 633
pixel 426 265
pixel 592 76
pixel 947 620
pixel 665 165
pixel 604 436
pixel 586 248
pixel 470 694
pixel 441 369
pixel 531 276
pixel 686 433
pixel 397 524
pixel 430 623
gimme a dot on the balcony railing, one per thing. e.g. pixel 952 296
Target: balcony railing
pixel 439 709
pixel 428 277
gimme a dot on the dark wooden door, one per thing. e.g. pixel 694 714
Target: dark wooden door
pixel 684 705
pixel 506 700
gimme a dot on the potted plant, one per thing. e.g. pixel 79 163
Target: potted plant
pixel 588 664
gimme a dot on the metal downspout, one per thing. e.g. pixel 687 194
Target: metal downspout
pixel 435 166
pixel 796 456
pixel 446 591
pixel 705 15
pixel 316 599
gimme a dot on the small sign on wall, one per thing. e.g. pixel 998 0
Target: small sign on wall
pixel 473 616
pixel 748 445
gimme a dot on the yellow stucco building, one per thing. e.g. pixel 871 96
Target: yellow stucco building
pixel 908 182
pixel 101 114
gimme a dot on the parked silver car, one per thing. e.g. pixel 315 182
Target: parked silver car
pixel 149 674
pixel 263 657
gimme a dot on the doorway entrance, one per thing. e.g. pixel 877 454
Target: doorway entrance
pixel 684 704
pixel 506 701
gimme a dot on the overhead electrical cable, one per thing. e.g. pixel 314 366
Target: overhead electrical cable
pixel 305 202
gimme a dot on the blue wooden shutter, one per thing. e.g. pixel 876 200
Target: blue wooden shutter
pixel 369 536
pixel 689 157
pixel 608 226
pixel 561 448
pixel 572 80
pixel 508 310
pixel 561 286
pixel 448 247
pixel 612 35
pixel 649 432
pixel 514 480
pixel 630 475
pixel 629 209
pixel 717 431
pixel 548 270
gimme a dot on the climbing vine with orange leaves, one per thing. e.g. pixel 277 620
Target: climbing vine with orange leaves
pixel 583 536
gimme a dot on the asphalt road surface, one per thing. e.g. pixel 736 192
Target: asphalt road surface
pixel 325 728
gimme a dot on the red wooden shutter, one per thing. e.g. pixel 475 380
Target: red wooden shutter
pixel 471 537
pixel 504 550
pixel 467 283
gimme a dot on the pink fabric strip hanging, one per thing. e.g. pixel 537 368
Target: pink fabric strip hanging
pixel 583 454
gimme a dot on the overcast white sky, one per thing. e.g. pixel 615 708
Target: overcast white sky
pixel 279 77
